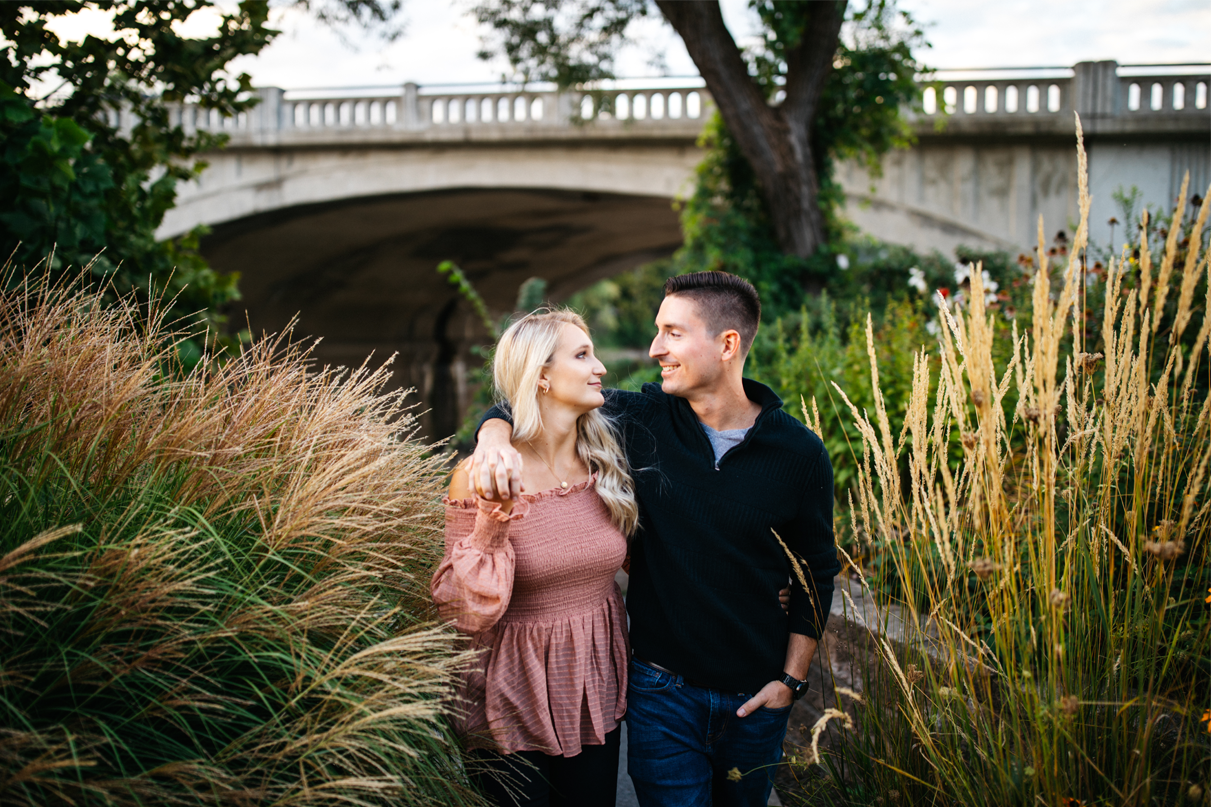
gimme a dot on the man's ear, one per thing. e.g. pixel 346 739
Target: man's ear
pixel 731 344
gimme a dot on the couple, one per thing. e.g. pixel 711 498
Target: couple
pixel 689 481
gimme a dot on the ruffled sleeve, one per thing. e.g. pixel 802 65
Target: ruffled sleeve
pixel 474 582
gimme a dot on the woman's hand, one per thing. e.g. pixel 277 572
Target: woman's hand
pixel 460 488
pixel 494 470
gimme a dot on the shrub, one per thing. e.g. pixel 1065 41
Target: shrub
pixel 1057 641
pixel 213 585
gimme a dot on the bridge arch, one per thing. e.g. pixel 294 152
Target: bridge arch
pixel 361 271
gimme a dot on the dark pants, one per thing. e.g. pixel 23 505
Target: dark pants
pixel 590 778
pixel 687 748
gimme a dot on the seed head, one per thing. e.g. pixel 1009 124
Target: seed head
pixel 978 397
pixel 1069 704
pixel 1165 550
pixel 969 440
pixel 984 567
pixel 1058 599
pixel 1088 361
pixel 734 775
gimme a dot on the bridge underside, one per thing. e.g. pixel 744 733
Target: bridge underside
pixel 361 273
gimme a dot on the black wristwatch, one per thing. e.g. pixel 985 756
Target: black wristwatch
pixel 798 688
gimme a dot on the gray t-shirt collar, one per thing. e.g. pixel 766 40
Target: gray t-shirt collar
pixel 723 441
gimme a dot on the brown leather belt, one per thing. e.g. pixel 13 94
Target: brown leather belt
pixel 667 671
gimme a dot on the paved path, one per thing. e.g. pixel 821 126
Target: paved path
pixel 626 791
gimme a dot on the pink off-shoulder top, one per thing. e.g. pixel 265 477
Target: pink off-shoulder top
pixel 535 589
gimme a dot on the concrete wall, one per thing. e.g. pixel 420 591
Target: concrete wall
pixel 940 195
pixel 243 182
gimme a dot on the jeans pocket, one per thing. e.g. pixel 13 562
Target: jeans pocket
pixel 781 711
pixel 648 679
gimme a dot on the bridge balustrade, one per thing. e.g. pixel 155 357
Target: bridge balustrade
pixel 1046 96
pixel 1164 94
pixel 1048 93
pixel 444 107
pixel 1036 96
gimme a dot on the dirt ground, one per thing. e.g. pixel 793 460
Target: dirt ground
pixel 840 649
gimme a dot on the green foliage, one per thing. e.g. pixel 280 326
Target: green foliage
pixel 874 77
pixel 802 363
pixel 213 585
pixel 53 190
pixel 567 42
pixel 460 282
pixel 76 184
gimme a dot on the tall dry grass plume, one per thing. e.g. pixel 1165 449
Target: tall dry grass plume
pixel 213 586
pixel 1046 520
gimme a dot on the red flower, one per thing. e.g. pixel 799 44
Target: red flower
pixel 945 292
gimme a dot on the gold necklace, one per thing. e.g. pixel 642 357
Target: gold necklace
pixel 562 484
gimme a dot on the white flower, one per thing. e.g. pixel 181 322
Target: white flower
pixel 843 262
pixel 932 327
pixel 963 275
pixel 916 279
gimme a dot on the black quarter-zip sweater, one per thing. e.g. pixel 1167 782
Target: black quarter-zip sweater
pixel 705 564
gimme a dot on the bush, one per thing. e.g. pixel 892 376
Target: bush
pixel 213 585
pixel 1053 577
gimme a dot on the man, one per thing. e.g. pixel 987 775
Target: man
pixel 719 469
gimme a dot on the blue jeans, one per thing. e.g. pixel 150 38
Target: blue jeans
pixel 683 740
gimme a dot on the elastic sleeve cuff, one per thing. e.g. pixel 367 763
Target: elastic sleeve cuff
pixel 492 524
pixel 494 511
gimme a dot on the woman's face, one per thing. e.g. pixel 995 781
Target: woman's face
pixel 574 373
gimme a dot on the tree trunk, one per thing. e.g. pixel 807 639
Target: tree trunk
pixel 776 140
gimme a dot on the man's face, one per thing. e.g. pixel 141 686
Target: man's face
pixel 690 357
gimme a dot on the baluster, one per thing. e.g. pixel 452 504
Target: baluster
pixel 1011 98
pixel 693 105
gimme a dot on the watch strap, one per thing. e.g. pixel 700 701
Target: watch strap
pixel 798 687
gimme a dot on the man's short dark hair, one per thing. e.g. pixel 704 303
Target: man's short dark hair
pixel 724 302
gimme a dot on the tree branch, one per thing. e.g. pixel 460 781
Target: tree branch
pixel 810 61
pixel 740 101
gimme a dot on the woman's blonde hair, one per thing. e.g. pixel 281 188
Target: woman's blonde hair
pixel 523 350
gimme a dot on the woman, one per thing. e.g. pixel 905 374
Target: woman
pixel 532 580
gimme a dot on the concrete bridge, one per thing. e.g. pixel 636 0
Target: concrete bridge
pixel 338 204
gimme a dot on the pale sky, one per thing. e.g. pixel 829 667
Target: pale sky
pixel 440 41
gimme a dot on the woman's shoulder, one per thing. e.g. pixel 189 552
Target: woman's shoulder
pixel 460 482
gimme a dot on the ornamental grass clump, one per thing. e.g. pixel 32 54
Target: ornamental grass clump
pixel 1050 554
pixel 213 585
